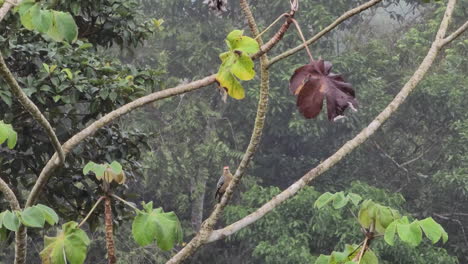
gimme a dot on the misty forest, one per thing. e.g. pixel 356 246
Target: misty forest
pixel 234 131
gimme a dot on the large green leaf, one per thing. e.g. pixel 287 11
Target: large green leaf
pixel 155 225
pixel 27 16
pixel 69 246
pixel 11 221
pixel 63 27
pixel 50 215
pixel 410 233
pixel 390 233
pixel 43 21
pixel 32 217
pixel 433 230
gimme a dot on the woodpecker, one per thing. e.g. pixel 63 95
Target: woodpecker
pixel 223 183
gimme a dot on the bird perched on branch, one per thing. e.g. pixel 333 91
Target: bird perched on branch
pixel 223 183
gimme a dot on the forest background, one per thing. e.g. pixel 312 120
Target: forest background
pixel 174 150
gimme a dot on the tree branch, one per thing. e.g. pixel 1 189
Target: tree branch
pixel 90 130
pixel 20 236
pixel 349 146
pixel 108 118
pixel 207 226
pixel 7 6
pixel 456 33
pixel 30 107
pixel 338 21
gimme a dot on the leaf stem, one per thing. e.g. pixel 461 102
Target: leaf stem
pixel 125 202
pixel 303 39
pixel 91 211
pixel 271 25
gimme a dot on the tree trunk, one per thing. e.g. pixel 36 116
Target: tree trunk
pixel 109 235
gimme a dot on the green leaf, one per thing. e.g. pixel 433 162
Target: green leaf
pixel 233 37
pixel 32 217
pixel 365 215
pixel 7 133
pixel 410 233
pixel 247 45
pixel 322 259
pixel 50 215
pixel 369 258
pixel 323 200
pixel 98 169
pixel 339 200
pixel 155 225
pixel 71 243
pixel 27 16
pixel 236 41
pixel 243 68
pixel 11 221
pixel 63 27
pixel 69 73
pixel 24 6
pixel 116 167
pixel 433 230
pixel 355 198
pixel 233 87
pixel 42 21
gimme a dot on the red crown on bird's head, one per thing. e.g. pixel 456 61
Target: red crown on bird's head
pixel 226 167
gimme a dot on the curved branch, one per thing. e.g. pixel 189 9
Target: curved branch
pixel 30 107
pixel 207 226
pixel 456 33
pixel 436 46
pixel 91 129
pixel 338 21
pixel 21 236
pixel 7 6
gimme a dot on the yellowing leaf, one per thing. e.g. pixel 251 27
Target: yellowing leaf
pixel 243 68
pixel 233 87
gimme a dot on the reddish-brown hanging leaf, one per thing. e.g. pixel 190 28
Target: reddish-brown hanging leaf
pixel 314 81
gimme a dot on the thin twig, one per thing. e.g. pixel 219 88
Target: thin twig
pixel 125 202
pixel 91 211
pixel 456 33
pixel 271 25
pixel 303 39
pixel 335 23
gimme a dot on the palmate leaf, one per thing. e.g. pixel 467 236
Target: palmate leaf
pixel 313 82
pixel 69 246
pixel 153 225
pixel 58 25
pixel 236 64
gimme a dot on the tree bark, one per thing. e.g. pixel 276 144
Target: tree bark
pixel 109 231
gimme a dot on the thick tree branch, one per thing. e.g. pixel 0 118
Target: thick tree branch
pixel 7 6
pixel 90 130
pixel 436 46
pixel 209 223
pixel 20 236
pixel 96 125
pixel 30 107
pixel 338 21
